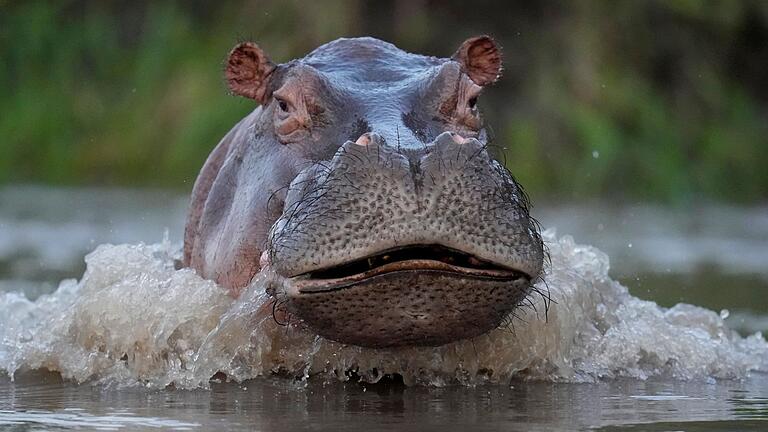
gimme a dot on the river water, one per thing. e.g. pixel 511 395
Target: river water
pixel 134 342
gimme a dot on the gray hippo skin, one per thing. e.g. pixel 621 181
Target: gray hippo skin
pixel 363 183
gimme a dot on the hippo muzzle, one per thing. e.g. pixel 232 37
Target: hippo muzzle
pixel 364 188
pixel 384 247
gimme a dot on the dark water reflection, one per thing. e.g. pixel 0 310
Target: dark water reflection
pixel 43 401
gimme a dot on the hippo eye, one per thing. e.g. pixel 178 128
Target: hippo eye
pixel 472 102
pixel 282 104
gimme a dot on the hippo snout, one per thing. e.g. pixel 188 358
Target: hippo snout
pixel 420 246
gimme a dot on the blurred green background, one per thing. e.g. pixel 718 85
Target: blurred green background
pixel 627 100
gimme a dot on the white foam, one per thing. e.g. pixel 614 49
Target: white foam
pixel 134 319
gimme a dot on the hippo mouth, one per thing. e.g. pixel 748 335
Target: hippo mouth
pixel 433 258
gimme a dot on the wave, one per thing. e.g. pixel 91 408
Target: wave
pixel 133 319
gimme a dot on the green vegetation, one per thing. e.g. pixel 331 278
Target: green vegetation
pixel 621 99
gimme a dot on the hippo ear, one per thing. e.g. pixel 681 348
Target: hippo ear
pixel 480 58
pixel 247 71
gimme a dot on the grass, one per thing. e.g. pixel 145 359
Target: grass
pixel 103 93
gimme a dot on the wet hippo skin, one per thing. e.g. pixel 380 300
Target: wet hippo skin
pixel 364 187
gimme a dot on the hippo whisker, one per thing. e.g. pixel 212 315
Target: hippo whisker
pixel 351 183
pixel 545 294
pixel 276 305
pixel 479 151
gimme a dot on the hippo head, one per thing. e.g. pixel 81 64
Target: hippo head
pixel 364 183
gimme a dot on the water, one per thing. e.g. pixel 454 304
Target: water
pixel 144 338
pixel 44 402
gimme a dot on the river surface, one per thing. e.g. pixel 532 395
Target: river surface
pixel 607 346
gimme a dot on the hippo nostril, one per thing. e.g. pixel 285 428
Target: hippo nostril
pixel 446 138
pixel 364 139
pixel 458 139
pixel 369 139
pixel 443 139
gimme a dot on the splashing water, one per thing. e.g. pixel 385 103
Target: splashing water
pixel 133 319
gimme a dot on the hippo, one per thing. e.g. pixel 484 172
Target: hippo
pixel 364 184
